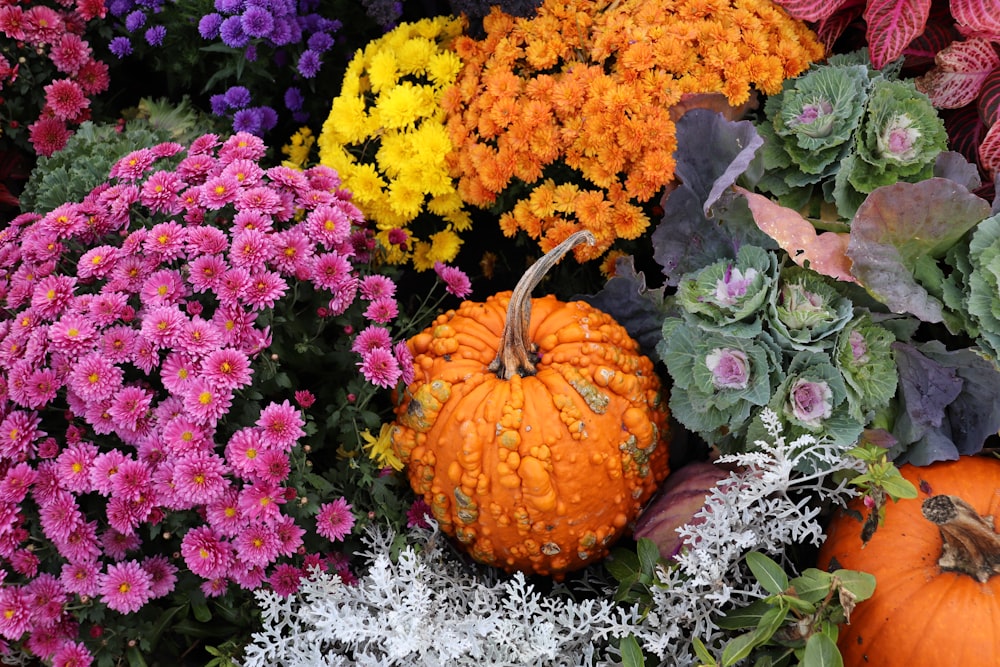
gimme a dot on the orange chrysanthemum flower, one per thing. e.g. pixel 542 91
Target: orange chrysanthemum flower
pixel 575 103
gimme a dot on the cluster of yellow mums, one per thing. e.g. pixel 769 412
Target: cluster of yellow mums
pixel 572 106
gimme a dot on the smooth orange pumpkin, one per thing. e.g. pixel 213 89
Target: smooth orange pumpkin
pixel 534 428
pixel 936 561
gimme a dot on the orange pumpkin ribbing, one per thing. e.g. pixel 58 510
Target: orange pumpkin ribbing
pixel 541 472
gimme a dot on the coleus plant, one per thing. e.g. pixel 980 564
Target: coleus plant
pixel 958 39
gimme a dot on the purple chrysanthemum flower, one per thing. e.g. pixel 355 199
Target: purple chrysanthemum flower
pixel 218 104
pixel 232 33
pixel 294 99
pixel 247 120
pixel 228 6
pixel 121 47
pixel 309 63
pixel 320 42
pixel 257 21
pixel 135 20
pixel 208 26
pixel 155 35
pixel 238 97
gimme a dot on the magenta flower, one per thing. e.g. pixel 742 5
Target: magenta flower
pixel 206 553
pixel 376 287
pixel 199 477
pixel 80 577
pixel 125 587
pixel 206 402
pixel 285 579
pixel 331 270
pixel 74 465
pixel 371 338
pixel 382 310
pixel 15 612
pixel 281 425
pixel 162 575
pixel 72 654
pixel 95 378
pixel 261 501
pixel 334 520
pixel 65 98
pixel 256 545
pixel 224 515
pixel 455 280
pixel 379 366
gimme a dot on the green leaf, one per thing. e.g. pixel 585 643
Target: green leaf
pixel 768 573
pixel 812 585
pixel 860 584
pixel 744 617
pixel 821 651
pixel 738 648
pixel 649 555
pixel 624 566
pixel 704 656
pixel 201 612
pixel 898 487
pixel 769 624
pixel 135 658
pixel 631 652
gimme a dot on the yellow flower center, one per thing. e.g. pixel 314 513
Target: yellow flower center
pixel 205 397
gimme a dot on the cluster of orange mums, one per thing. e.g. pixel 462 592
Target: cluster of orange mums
pixel 573 106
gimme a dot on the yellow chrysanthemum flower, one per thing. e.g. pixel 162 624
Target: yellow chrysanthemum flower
pixel 298 147
pixel 444 246
pixel 414 55
pixel 401 106
pixel 404 199
pixel 380 449
pixel 383 71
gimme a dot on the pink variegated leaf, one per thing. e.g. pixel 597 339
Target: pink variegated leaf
pixel 830 29
pixel 989 99
pixel 959 73
pixel 810 10
pixel 977 17
pixel 965 131
pixel 935 38
pixel 892 25
pixel 989 151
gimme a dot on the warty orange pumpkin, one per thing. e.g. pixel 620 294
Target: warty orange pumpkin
pixel 936 562
pixel 534 428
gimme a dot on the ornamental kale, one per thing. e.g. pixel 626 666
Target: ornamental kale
pixel 728 296
pixel 805 310
pixel 983 286
pixel 863 354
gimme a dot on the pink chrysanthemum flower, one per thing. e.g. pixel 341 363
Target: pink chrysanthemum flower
pixel 376 287
pixel 81 544
pixel 51 295
pixel 328 225
pixel 416 516
pixel 65 98
pixel 163 288
pixel 250 249
pixel 456 281
pixel 305 398
pixel 48 598
pixel 97 262
pixel 107 307
pixel 370 338
pixel 40 388
pixel 228 367
pixel 134 165
pixel 247 172
pixel 15 612
pixel 98 415
pixel 206 553
pixel 272 466
pixel 17 482
pixel 204 144
pixel 177 371
pixel 162 575
pixel 248 576
pixel 382 310
pixel 206 272
pixel 242 145
pixel 207 402
pixel 264 290
pixel 379 366
pixel 95 378
pixel 218 191
pixel 125 587
pixel 196 170
pixel 80 577
pixel 73 333
pixel 167 149
pixel 281 425
pixel 124 516
pixel 48 135
pixel 224 515
pixel 205 240
pixel 182 435
pixel 74 466
pixel 60 515
pixel 252 220
pixel 289 534
pixel 331 270
pixel 133 481
pixel 69 53
pixel 285 579
pixel 292 250
pixel 18 433
pixel 199 477
pixel 167 240
pixel 214 588
pixel 130 405
pixel 334 520
pixel 261 501
pixel 343 296
pixel 233 285
pixel 72 654
pixel 262 200
pixel 242 450
pixel 256 545
pixel 323 177
pixel 93 75
pixel 118 344
pixel 117 544
pixel 198 337
pixel 404 357
pixel 161 193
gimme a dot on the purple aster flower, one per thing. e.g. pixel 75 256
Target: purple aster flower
pixel 309 63
pixel 135 20
pixel 155 35
pixel 320 42
pixel 228 6
pixel 232 33
pixel 294 99
pixel 237 97
pixel 218 104
pixel 247 120
pixel 208 26
pixel 121 47
pixel 257 22
pixel 250 53
pixel 268 118
pixel 119 7
pixel 285 31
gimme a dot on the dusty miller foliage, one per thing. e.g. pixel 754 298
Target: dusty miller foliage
pixel 426 607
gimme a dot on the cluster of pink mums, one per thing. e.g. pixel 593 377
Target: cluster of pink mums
pixel 136 312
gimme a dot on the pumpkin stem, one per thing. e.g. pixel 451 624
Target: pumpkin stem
pixel 969 542
pixel 515 354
